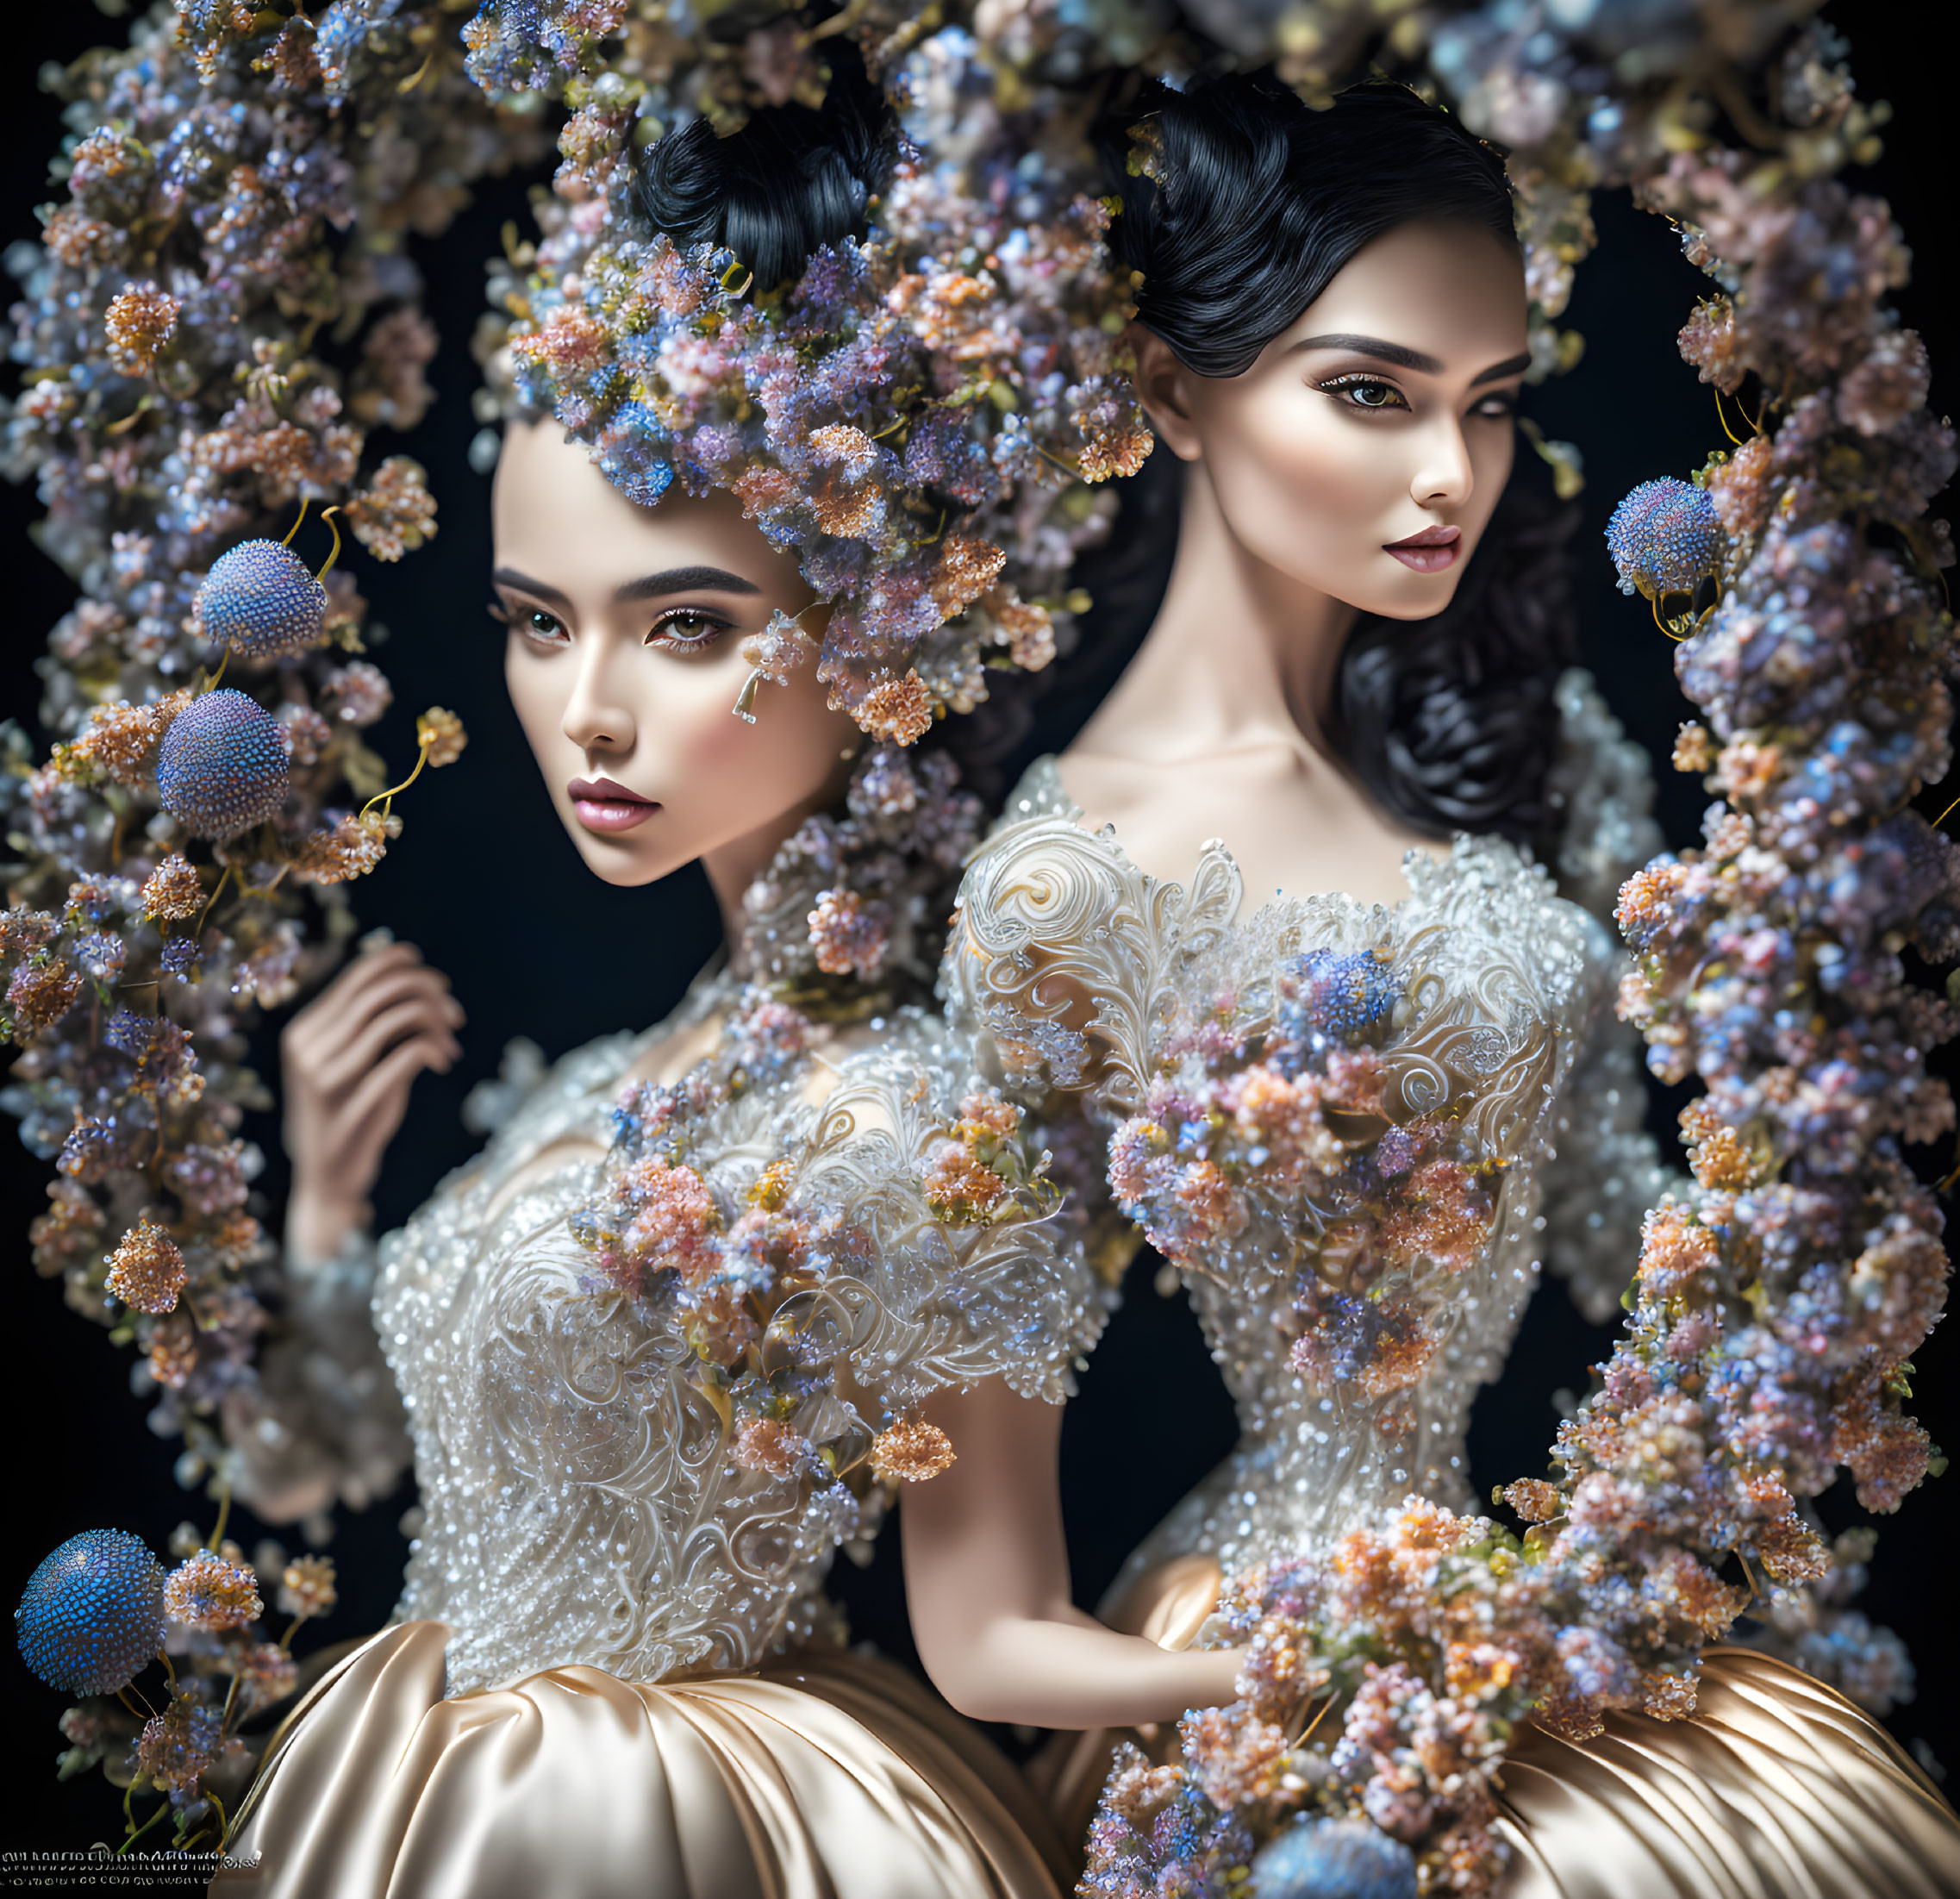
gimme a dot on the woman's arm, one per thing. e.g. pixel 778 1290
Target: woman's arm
pixel 987 1580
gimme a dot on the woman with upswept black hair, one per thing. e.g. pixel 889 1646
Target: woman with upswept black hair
pixel 1357 1085
pixel 1447 721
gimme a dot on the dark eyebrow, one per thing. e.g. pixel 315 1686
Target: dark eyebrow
pixel 1512 365
pixel 1373 345
pixel 685 580
pixel 509 576
pixel 648 587
pixel 1412 358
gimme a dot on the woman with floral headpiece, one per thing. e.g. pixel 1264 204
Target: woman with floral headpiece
pixel 653 1384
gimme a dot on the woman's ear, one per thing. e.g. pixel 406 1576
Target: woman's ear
pixel 1164 387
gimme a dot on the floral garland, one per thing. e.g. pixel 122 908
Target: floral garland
pixel 231 210
pixel 1780 1297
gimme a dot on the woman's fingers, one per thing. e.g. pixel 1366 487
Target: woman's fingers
pixel 324 1054
pixel 387 988
pixel 376 1107
pixel 368 983
pixel 415 1014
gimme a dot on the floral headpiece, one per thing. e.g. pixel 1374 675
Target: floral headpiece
pixel 919 415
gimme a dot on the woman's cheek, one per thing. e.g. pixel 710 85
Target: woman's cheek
pixel 1311 489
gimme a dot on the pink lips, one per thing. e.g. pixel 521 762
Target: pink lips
pixel 606 807
pixel 1429 552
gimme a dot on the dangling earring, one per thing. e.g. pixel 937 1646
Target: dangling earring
pixel 772 654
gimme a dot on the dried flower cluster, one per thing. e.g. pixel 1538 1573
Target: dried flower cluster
pixel 1255 1113
pixel 850 914
pixel 101 1609
pixel 738 1275
pixel 1381 1684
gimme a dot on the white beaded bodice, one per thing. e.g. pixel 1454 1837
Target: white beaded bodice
pixel 579 1502
pixel 1338 1120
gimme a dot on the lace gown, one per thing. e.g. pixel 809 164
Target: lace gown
pixel 1091 977
pixel 606 1673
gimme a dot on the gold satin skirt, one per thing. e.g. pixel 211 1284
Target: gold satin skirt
pixel 826 1775
pixel 1776 1787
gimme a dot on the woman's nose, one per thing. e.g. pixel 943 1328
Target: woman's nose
pixel 597 716
pixel 1444 476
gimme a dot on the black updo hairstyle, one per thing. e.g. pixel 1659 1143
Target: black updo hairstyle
pixel 791 180
pixel 1258 200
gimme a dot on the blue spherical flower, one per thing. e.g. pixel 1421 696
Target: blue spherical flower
pixel 221 767
pixel 1338 995
pixel 1334 1859
pixel 260 601
pixel 92 1614
pixel 1664 538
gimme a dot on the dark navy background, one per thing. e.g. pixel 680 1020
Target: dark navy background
pixel 485 881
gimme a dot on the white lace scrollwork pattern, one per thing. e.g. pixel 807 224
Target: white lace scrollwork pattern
pixel 573 1448
pixel 1357 1291
pixel 1064 953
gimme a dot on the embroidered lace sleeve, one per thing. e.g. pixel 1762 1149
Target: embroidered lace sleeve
pixel 1608 1169
pixel 321 1421
pixel 952 1266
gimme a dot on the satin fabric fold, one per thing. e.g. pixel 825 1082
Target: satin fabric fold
pixel 826 1776
pixel 1776 1787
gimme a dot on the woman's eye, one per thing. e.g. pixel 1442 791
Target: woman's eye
pixel 533 623
pixel 683 628
pixel 1365 392
pixel 1499 407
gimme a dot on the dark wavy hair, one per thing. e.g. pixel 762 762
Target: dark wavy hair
pixel 792 180
pixel 1257 201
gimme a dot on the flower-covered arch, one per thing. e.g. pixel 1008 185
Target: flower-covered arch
pixel 223 313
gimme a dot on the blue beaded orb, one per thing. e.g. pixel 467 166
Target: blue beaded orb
pixel 259 600
pixel 92 1614
pixel 1664 538
pixel 1334 1859
pixel 221 767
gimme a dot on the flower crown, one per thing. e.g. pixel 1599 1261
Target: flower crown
pixel 919 415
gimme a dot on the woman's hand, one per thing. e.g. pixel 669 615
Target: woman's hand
pixel 348 1059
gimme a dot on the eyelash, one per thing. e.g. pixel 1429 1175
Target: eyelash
pixel 1494 408
pixel 714 624
pixel 545 627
